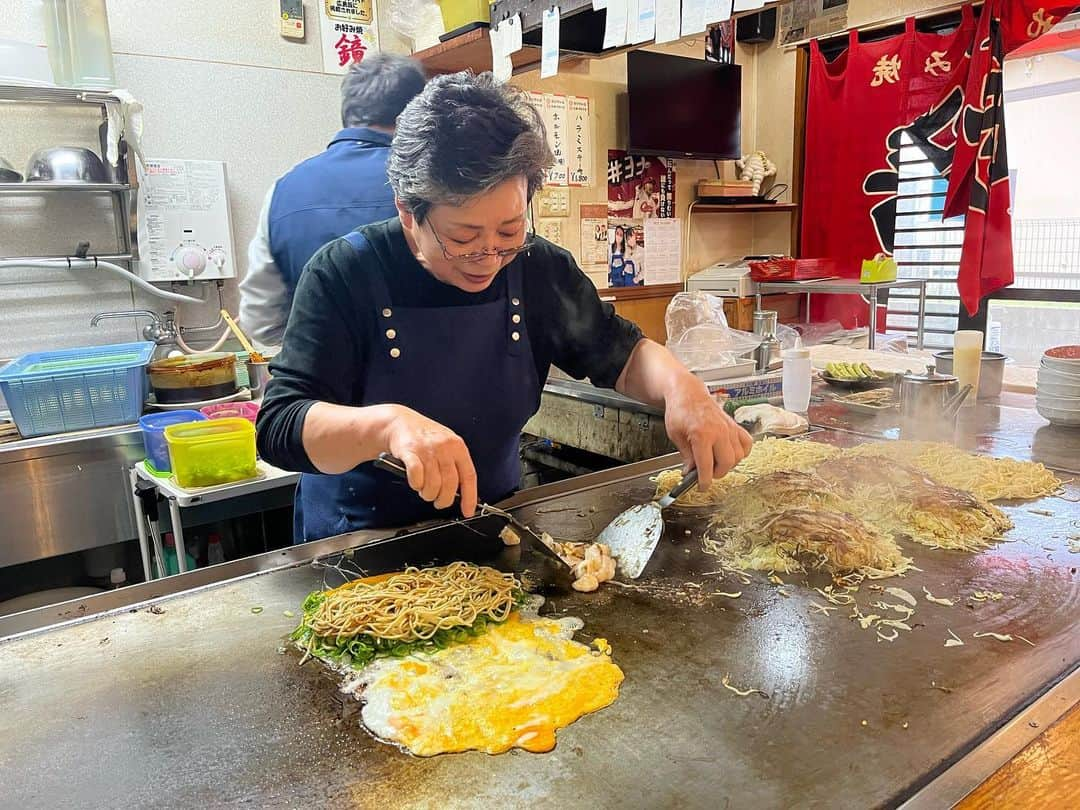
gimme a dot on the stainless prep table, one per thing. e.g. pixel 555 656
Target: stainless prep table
pixel 186 699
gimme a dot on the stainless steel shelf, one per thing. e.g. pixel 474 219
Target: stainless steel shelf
pixel 51 187
pixel 55 95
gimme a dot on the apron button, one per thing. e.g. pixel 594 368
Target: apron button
pixel 515 336
pixel 515 302
pixel 391 333
pixel 395 352
pixel 386 313
pixel 516 318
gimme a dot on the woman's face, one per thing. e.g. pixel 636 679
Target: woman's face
pixel 631 238
pixel 494 220
pixel 620 236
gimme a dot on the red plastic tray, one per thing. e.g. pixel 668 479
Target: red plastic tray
pixel 793 269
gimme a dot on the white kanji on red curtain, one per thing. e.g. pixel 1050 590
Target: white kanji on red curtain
pixel 944 92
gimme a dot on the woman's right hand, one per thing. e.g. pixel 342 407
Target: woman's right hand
pixel 436 459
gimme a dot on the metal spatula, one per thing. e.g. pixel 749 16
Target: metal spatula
pixel 633 535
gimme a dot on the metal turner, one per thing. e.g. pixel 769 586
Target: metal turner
pixel 633 535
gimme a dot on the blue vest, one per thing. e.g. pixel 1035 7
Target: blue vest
pixel 328 196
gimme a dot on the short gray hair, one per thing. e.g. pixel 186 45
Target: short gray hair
pixel 376 89
pixel 462 136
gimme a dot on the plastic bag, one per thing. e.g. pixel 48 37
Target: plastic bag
pixel 699 335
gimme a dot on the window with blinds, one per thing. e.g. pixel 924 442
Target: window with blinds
pixel 928 247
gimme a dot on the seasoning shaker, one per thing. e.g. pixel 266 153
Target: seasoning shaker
pixel 769 348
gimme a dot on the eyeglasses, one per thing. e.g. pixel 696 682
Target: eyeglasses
pixel 479 255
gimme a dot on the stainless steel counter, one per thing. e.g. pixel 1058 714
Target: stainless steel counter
pixel 66 493
pixel 187 700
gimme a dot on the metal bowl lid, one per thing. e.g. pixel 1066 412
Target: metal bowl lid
pixel 929 378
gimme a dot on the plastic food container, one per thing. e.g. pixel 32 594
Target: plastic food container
pixel 195 378
pixel 217 451
pixel 226 410
pixel 153 429
pixel 76 389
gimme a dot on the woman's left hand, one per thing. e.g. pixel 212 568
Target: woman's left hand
pixel 705 435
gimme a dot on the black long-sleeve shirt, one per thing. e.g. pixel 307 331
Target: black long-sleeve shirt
pixel 332 328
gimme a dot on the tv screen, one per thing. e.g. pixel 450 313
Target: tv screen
pixel 683 107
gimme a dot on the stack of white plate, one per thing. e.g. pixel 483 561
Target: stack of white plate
pixel 1058 388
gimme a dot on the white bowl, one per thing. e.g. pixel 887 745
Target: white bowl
pixel 1053 389
pixel 1060 403
pixel 1058 376
pixel 1063 357
pixel 1058 417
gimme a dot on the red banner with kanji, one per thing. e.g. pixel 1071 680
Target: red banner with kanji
pixel 944 91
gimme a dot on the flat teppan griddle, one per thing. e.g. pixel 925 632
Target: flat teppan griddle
pixel 196 706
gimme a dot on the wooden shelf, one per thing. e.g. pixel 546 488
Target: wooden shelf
pixel 751 208
pixel 471 50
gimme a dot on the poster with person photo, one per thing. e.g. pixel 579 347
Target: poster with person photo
pixel 626 252
pixel 639 188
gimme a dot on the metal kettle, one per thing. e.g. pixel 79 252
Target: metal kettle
pixel 929 402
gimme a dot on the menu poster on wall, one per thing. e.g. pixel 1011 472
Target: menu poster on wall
pixel 348 30
pixel 580 142
pixel 554 114
pixel 569 133
pixel 593 255
pixel 640 187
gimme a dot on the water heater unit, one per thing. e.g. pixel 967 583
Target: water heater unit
pixel 185 232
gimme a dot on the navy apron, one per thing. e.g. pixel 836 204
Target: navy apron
pixel 469 368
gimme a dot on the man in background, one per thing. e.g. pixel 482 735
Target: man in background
pixel 328 195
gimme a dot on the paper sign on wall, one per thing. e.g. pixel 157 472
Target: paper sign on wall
pixel 717 11
pixel 348 31
pixel 501 66
pixel 554 114
pixel 549 44
pixel 615 24
pixel 646 22
pixel 594 238
pixel 693 17
pixel 579 142
pixel 667 21
pixel 663 251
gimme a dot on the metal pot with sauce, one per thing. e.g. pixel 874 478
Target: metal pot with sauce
pixel 929 403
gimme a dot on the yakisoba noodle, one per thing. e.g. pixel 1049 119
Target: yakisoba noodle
pixel 669 479
pixel 992 479
pixel 415 604
pixel 767 456
pixel 771 455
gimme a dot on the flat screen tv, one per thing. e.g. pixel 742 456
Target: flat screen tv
pixel 683 107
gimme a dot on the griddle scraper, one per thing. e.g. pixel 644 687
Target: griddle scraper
pixel 633 535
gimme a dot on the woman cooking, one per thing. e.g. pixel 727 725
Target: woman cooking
pixel 430 336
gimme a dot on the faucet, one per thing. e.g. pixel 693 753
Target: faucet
pixel 161 330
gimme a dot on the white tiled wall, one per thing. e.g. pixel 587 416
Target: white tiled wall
pixel 218 83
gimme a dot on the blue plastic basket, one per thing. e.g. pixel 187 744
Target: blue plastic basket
pixel 76 389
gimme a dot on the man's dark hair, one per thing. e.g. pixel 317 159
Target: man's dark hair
pixel 376 90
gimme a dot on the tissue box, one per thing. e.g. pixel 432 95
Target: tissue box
pixel 878 270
